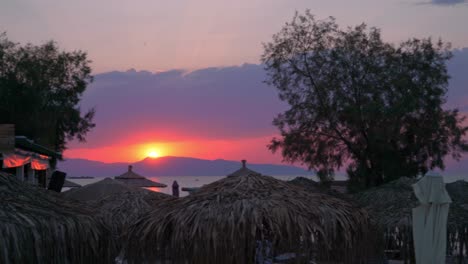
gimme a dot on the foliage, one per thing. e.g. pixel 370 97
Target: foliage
pixel 40 91
pixel 358 101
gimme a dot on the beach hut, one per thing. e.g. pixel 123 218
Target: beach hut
pixel 133 179
pixel 249 219
pixel 39 226
pixel 390 206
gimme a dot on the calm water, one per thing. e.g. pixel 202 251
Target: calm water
pixel 183 181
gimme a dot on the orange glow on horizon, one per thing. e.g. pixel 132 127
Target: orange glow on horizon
pixel 153 154
pixel 252 149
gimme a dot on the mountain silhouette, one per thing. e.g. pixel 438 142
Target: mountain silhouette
pixel 172 166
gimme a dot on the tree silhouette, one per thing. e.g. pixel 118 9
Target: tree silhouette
pixel 358 101
pixel 40 91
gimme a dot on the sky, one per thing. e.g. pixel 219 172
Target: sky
pixel 197 89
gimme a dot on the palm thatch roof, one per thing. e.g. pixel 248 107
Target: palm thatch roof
pixel 309 184
pixel 391 204
pixel 38 226
pixel 458 213
pixel 243 171
pixel 69 184
pixel 97 190
pixel 119 210
pixel 458 218
pixel 225 221
pixel 134 179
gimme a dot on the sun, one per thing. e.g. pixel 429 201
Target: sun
pixel 153 154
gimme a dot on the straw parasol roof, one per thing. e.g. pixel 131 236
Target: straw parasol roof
pixel 97 190
pixel 225 221
pixel 38 226
pixel 309 184
pixel 243 171
pixel 119 210
pixel 391 204
pixel 458 212
pixel 458 217
pixel 69 184
pixel 133 179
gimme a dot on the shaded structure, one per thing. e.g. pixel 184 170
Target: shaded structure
pixel 97 190
pixel 27 160
pixel 243 171
pixel 457 225
pixel 69 184
pixel 308 184
pixel 133 179
pixel 121 209
pixel 38 226
pixel 244 218
pixel 390 206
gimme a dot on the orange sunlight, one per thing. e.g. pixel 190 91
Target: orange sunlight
pixel 253 149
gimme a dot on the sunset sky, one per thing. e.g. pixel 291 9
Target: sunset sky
pixel 197 89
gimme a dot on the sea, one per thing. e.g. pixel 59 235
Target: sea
pixel 183 181
pixel 198 181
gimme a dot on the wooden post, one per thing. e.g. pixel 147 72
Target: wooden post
pixel 20 173
pixel 31 175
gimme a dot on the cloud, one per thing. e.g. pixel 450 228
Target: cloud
pixel 212 103
pixel 448 2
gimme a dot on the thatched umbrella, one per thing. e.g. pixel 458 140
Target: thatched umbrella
pixel 243 171
pixel 134 179
pixel 38 226
pixel 391 204
pixel 458 218
pixel 69 184
pixel 97 190
pixel 230 220
pixel 119 210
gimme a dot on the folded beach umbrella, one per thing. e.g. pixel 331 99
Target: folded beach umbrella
pixel 430 220
pixel 243 218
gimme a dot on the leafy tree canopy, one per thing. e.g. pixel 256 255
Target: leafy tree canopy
pixel 40 91
pixel 360 102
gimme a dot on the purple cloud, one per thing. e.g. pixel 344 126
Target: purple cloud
pixel 448 2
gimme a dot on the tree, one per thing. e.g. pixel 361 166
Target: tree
pixel 358 101
pixel 40 91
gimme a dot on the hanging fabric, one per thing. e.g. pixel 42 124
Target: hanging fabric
pixel 11 160
pixel 39 164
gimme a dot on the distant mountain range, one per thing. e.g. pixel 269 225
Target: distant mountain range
pixel 172 166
